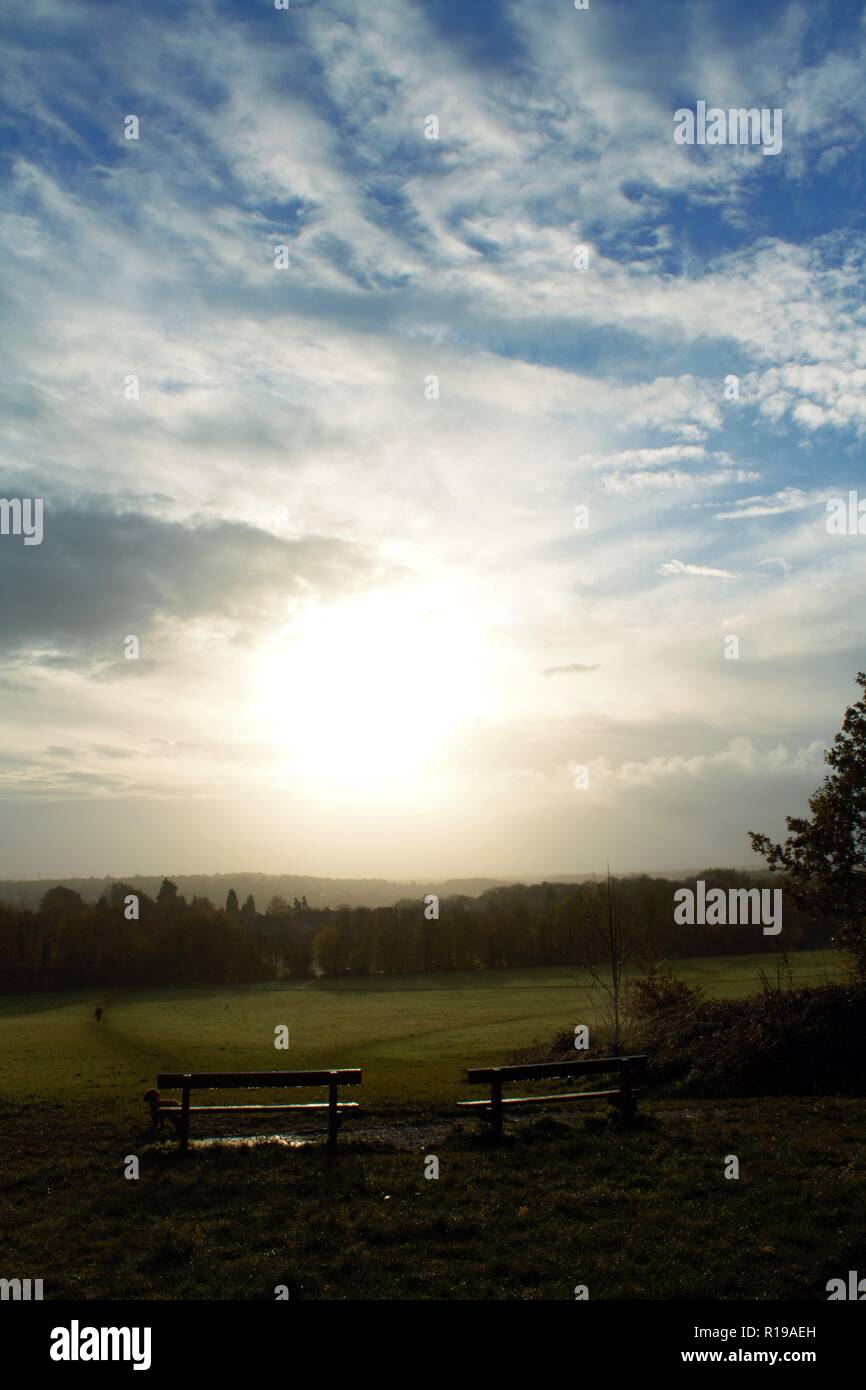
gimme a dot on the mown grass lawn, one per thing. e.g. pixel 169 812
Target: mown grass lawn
pixel 413 1035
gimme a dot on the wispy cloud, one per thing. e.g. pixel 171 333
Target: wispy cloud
pixel 675 567
pixel 575 668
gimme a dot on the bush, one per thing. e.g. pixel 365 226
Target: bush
pixel 659 991
pixel 783 1042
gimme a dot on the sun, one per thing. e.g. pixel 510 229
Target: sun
pixel 361 697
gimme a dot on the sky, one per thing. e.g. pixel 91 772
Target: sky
pixel 432 420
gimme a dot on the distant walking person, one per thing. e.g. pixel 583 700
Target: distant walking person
pixel 97 1014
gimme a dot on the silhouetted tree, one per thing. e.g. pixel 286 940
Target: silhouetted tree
pixel 825 856
pixel 610 940
pixel 60 902
pixel 232 904
pixel 168 896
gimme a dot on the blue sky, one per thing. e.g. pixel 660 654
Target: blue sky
pixel 347 588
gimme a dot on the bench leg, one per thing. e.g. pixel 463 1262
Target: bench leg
pixel 496 1108
pixel 184 1119
pixel 627 1102
pixel 333 1115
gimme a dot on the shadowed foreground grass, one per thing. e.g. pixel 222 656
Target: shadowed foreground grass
pixel 642 1212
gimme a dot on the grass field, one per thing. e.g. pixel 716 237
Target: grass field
pixel 633 1212
pixel 638 1213
pixel 413 1035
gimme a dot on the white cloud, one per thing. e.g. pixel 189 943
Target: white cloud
pixel 676 567
pixel 788 499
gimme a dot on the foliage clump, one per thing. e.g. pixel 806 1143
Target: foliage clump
pixel 807 1041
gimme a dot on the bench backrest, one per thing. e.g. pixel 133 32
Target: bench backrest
pixel 539 1070
pixel 240 1080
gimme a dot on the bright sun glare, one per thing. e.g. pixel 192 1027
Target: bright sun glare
pixel 359 698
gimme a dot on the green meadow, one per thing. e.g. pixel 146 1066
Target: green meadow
pixel 413 1035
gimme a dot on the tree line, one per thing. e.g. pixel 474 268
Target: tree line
pixel 130 938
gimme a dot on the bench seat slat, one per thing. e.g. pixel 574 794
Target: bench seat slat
pixel 244 1080
pixel 547 1100
pixel 231 1109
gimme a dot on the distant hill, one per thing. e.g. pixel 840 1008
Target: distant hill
pixel 319 892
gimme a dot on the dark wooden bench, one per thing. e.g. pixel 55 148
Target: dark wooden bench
pixel 623 1097
pixel 187 1082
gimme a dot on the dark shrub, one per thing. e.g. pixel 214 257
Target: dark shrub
pixel 783 1042
pixel 659 991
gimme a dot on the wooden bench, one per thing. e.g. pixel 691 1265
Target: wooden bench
pixel 187 1082
pixel 623 1097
